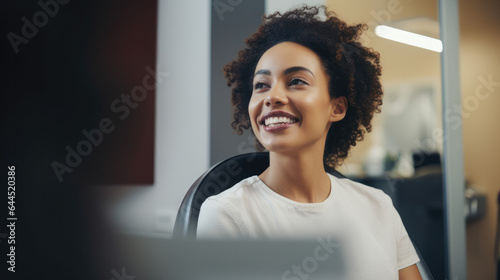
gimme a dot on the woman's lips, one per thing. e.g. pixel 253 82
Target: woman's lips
pixel 276 128
pixel 282 120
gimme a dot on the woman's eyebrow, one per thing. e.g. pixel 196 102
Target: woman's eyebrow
pixel 287 71
pixel 262 72
pixel 296 69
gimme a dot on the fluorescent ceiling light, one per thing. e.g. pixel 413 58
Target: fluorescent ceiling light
pixel 409 38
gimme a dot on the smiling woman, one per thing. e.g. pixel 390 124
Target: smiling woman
pixel 290 82
pixel 309 89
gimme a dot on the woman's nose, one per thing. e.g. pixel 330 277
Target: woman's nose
pixel 276 96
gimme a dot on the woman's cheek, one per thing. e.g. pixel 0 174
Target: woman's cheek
pixel 253 116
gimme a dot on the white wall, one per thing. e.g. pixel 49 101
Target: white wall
pixel 182 123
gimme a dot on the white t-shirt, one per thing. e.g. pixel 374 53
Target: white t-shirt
pixel 372 234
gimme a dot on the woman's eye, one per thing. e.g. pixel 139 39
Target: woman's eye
pixel 259 85
pixel 296 82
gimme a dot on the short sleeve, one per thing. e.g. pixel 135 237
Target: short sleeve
pixel 406 252
pixel 218 221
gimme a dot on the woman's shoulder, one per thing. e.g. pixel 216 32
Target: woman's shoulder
pixel 372 207
pixel 221 216
pixel 235 194
pixel 363 194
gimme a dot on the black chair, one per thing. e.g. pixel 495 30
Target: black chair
pixel 221 177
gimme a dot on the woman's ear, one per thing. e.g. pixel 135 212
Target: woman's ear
pixel 339 108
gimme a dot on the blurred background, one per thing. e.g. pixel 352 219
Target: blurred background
pixel 113 109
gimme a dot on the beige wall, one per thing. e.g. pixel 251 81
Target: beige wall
pixel 479 57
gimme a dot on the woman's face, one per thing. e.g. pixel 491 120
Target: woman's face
pixel 290 107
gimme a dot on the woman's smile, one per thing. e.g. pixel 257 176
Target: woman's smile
pixel 275 121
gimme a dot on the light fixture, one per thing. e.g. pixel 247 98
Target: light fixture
pixel 409 38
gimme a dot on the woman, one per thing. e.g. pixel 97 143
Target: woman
pixel 309 91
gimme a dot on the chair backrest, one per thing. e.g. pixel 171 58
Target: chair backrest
pixel 221 177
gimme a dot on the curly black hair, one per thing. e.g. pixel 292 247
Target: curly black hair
pixel 353 69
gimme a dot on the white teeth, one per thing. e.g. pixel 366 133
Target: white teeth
pixel 273 121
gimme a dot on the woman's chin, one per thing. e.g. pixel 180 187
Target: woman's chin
pixel 280 147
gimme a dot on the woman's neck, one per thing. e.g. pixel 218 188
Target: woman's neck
pixel 300 177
